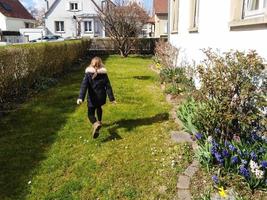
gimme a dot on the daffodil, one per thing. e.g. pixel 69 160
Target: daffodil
pixel 222 192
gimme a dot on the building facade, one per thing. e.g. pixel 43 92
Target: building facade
pixel 160 10
pixel 221 25
pixel 73 18
pixel 13 17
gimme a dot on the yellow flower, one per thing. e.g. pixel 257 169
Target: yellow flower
pixel 222 192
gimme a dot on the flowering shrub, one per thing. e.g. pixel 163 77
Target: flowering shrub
pixel 233 88
pixel 227 115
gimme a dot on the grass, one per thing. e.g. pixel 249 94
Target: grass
pixel 47 152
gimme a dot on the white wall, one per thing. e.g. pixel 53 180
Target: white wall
pixel 32 33
pixel 2 22
pixel 14 24
pixel 214 32
pixel 61 13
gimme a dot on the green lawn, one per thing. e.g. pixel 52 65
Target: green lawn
pixel 47 152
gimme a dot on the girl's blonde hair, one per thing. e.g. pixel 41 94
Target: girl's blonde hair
pixel 96 63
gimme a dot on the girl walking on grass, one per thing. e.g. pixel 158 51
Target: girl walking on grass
pixel 97 83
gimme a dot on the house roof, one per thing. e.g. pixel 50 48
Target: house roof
pixel 13 8
pixel 161 6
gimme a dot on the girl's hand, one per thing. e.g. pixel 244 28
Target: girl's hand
pixel 79 101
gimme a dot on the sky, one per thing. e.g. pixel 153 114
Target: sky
pixel 41 3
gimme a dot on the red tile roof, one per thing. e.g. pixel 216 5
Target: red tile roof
pixel 161 6
pixel 13 8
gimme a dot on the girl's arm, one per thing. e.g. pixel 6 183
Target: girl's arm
pixel 84 87
pixel 109 90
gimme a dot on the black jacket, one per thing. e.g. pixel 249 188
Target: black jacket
pixel 98 88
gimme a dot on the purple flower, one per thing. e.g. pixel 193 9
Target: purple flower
pixel 215 144
pixel 244 171
pixel 219 158
pixel 199 136
pixel 253 156
pixel 213 150
pixel 225 153
pixel 234 160
pixel 264 164
pixel 232 147
pixel 255 136
pixel 215 179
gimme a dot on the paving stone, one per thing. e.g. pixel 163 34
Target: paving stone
pixel 181 137
pixel 183 182
pixel 190 171
pixel 195 146
pixel 184 195
pixel 195 163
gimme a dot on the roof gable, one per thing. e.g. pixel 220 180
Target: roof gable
pixel 13 8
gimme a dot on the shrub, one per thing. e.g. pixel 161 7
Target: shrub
pixel 21 66
pixel 233 88
pixel 166 54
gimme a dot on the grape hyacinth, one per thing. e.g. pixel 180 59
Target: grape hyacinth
pixel 219 158
pixel 234 160
pixel 244 172
pixel 215 179
pixel 253 155
pixel 198 136
pixel 225 153
pixel 264 164
pixel 232 147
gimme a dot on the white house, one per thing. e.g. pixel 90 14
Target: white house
pixel 13 17
pixel 219 24
pixel 160 10
pixel 74 18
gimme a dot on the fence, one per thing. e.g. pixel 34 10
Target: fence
pixel 106 46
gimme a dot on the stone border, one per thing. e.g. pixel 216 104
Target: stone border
pixel 184 180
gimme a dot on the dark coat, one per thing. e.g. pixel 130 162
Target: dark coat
pixel 98 88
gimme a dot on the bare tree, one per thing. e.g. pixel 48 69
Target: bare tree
pixel 123 22
pixel 38 14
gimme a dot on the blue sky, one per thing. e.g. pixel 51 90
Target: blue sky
pixel 40 3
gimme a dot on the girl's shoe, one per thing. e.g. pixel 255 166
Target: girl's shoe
pixel 96 128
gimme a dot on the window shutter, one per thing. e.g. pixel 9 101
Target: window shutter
pixel 67 5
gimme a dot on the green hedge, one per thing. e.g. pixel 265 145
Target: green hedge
pixel 22 65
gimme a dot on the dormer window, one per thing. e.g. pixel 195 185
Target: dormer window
pixel 73 6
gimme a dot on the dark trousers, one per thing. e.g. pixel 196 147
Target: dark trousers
pixel 91 114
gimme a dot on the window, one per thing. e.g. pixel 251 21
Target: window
pixel 59 26
pixel 195 14
pixel 254 8
pixel 73 6
pixel 165 27
pixel 88 26
pixel 248 13
pixel 174 15
pixel 28 25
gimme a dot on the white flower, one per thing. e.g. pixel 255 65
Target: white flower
pixel 210 139
pixel 259 174
pixel 29 182
pixel 253 166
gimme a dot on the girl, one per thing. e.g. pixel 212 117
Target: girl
pixel 97 83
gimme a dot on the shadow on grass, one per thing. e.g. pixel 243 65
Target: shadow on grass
pixel 27 134
pixel 143 77
pixel 130 124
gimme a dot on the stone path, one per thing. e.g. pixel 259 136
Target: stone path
pixel 183 185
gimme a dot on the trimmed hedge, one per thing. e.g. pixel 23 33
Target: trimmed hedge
pixel 22 65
